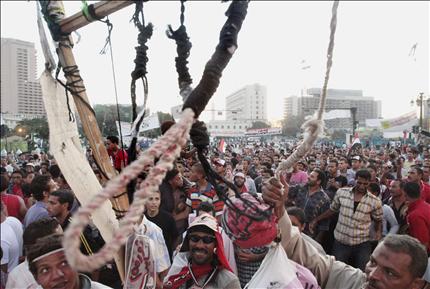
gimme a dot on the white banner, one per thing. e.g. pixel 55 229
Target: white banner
pixel 150 122
pixel 403 120
pixel 176 112
pixel 337 113
pixel 264 131
pixel 126 132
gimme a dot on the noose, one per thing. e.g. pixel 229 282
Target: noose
pixel 198 133
pixel 314 127
pixel 139 72
pixel 183 47
pixel 201 95
pixel 167 149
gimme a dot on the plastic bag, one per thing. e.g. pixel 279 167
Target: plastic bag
pixel 275 272
pixel 140 266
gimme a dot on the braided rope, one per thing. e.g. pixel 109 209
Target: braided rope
pixel 168 147
pixel 313 128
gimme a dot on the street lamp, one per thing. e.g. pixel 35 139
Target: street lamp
pixel 419 101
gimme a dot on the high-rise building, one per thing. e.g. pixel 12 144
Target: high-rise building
pixel 337 99
pixel 247 104
pixel 20 90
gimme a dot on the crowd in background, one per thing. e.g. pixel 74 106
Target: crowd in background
pixel 343 202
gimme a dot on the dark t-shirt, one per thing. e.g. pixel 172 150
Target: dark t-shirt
pixel 331 190
pixel 165 221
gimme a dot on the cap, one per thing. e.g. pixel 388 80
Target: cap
pixel 29 164
pixel 357 158
pixel 239 174
pixel 205 219
pixel 220 162
pixel 204 222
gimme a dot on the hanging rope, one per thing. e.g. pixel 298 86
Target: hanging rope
pixel 139 72
pixel 167 149
pixel 200 96
pixel 313 128
pixel 103 51
pixel 207 86
pixel 183 47
pixel 200 139
pixel 145 33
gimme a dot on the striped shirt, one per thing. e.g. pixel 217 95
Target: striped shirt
pixel 353 225
pixel 195 198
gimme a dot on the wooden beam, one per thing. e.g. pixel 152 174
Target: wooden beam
pixel 89 123
pixel 102 9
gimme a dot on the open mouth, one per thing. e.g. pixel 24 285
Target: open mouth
pixel 60 285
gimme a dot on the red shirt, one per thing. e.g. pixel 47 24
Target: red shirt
pixel 12 205
pixel 425 192
pixel 119 158
pixel 17 190
pixel 419 222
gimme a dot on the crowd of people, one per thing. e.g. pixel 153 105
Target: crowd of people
pixel 345 219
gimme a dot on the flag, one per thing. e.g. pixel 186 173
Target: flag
pixel 356 139
pixel 221 146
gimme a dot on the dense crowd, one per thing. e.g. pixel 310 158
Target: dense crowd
pixel 345 218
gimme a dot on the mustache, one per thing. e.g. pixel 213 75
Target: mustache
pixel 372 283
pixel 195 250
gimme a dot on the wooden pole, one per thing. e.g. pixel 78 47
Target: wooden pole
pixel 101 9
pixel 65 54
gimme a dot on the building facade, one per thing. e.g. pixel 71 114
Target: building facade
pixel 337 99
pixel 247 104
pixel 20 90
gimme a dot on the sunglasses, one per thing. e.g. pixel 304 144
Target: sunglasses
pixel 205 239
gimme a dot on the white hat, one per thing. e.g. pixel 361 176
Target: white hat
pixel 219 161
pixel 240 174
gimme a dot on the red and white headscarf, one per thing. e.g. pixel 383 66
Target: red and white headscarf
pixel 179 272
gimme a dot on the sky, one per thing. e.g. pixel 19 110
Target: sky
pixel 372 50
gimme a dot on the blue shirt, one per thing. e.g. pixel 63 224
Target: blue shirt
pixel 36 212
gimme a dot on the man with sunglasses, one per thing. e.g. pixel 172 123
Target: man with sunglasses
pixel 357 209
pixel 201 262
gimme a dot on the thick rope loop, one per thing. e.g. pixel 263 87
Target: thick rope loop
pixel 167 148
pixel 313 128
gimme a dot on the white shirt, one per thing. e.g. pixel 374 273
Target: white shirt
pixel 11 242
pixel 21 278
pixel 161 254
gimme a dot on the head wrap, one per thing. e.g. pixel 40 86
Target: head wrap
pixel 180 273
pixel 245 232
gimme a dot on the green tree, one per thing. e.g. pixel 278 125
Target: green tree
pixel 338 135
pixel 260 124
pixel 107 115
pixel 35 126
pixel 4 130
pixel 162 116
pixel 291 126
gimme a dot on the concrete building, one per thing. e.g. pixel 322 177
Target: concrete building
pixel 247 104
pixel 228 128
pixel 20 90
pixel 337 99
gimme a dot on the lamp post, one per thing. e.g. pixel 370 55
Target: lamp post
pixel 419 101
